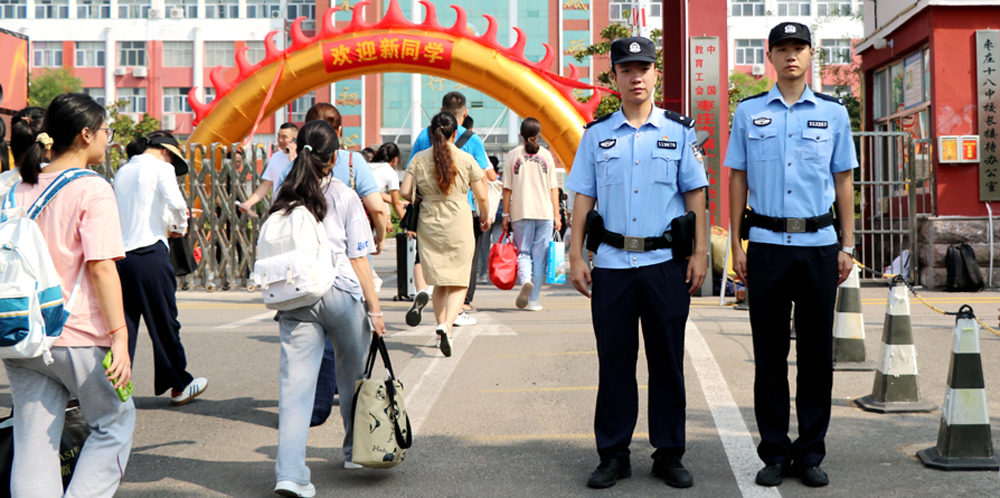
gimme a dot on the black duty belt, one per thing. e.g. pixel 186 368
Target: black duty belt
pixel 790 225
pixel 638 244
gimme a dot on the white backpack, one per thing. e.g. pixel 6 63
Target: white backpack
pixel 32 312
pixel 294 265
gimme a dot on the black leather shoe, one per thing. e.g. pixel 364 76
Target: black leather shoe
pixel 814 477
pixel 609 471
pixel 670 469
pixel 772 474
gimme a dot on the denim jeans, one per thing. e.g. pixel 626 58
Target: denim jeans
pixel 532 237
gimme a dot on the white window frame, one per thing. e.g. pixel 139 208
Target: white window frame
pixel 178 54
pixel 133 48
pixel 188 7
pixel 51 9
pixel 831 8
pixel 748 8
pixel 90 50
pixel 263 9
pixel 97 94
pixel 300 106
pixel 93 9
pixel 47 54
pixel 220 53
pixel 175 100
pixel 135 100
pixel 222 9
pixel 836 52
pixel 742 48
pixel 134 9
pixel 794 8
pixel 13 9
pixel 255 51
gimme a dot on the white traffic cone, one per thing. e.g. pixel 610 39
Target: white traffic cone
pixel 895 389
pixel 964 441
pixel 849 326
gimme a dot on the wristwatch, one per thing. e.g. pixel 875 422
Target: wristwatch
pixel 850 250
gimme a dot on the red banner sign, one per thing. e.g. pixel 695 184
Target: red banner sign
pixel 387 49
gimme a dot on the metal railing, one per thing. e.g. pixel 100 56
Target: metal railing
pixel 224 237
pixel 895 187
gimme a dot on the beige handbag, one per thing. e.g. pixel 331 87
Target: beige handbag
pixel 381 426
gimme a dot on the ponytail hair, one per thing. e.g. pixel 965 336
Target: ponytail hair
pixel 67 116
pixel 530 129
pixel 24 128
pixel 442 128
pixel 386 153
pixel 316 146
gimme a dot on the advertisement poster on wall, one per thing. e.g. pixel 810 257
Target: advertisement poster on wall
pixel 913 80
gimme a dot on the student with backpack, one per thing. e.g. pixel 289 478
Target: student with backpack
pixel 348 313
pixel 152 208
pixel 80 227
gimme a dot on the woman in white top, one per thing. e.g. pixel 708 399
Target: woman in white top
pixel 340 314
pixel 531 204
pixel 152 209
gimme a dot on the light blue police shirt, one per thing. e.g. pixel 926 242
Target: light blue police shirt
pixel 474 145
pixel 364 180
pixel 790 153
pixel 639 177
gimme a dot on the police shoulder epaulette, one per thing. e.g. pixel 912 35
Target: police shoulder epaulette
pixel 598 120
pixel 680 118
pixel 761 94
pixel 830 98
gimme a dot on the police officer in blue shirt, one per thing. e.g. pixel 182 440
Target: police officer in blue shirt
pixel 641 167
pixel 792 150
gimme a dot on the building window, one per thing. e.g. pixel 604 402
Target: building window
pixel 89 54
pixel 93 9
pixel 97 94
pixel 188 9
pixel 209 95
pixel 302 8
pixel 222 9
pixel 135 100
pixel 220 54
pixel 132 53
pixel 47 54
pixel 837 90
pixel 742 8
pixel 176 100
pixel 13 9
pixel 134 9
pixel 255 51
pixel 261 9
pixel 300 107
pixel 833 8
pixel 749 51
pixel 178 54
pixel 794 7
pixel 51 9
pixel 836 51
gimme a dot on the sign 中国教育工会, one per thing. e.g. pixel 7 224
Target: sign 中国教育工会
pixel 706 99
pixel 988 92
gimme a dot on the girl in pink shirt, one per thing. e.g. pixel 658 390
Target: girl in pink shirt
pixel 83 234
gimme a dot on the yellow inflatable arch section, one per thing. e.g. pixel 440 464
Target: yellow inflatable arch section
pixel 395 44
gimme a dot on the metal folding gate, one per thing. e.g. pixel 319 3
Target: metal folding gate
pixel 894 187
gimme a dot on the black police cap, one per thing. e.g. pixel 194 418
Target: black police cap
pixel 634 49
pixel 789 31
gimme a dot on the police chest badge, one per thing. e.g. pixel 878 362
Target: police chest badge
pixel 634 48
pixel 609 143
pixel 819 124
pixel 663 144
pixel 762 121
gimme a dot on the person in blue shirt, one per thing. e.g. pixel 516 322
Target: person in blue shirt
pixel 352 169
pixel 642 169
pixel 455 103
pixel 791 150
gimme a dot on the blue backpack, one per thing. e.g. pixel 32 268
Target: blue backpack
pixel 32 312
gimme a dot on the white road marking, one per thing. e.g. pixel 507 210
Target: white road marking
pixel 486 325
pixel 254 320
pixel 427 373
pixel 729 422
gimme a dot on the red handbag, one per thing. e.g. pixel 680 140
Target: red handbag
pixel 503 263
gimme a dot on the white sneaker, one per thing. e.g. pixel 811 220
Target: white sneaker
pixel 378 283
pixel 464 320
pixel 524 295
pixel 292 489
pixel 195 388
pixel 534 306
pixel 352 465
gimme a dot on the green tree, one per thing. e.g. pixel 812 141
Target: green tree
pixel 47 84
pixel 615 31
pixel 126 129
pixel 742 86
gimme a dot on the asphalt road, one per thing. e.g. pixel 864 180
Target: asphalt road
pixel 511 412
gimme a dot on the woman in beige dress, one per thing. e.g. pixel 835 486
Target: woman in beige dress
pixel 443 176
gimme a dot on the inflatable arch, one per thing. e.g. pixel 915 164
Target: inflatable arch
pixel 395 44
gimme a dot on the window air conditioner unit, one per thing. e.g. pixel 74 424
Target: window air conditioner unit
pixel 177 13
pixel 139 71
pixel 169 122
pixel 275 14
pixel 120 71
pixel 758 70
pixel 154 14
